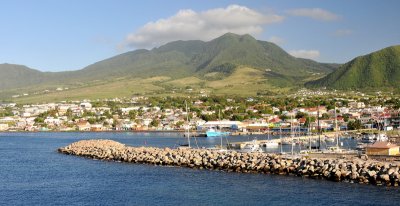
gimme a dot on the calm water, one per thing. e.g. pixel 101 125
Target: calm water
pixel 32 172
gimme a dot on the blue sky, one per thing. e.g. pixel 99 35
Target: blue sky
pixel 69 35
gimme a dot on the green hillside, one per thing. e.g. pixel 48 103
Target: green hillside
pixel 12 76
pixel 176 65
pixel 379 69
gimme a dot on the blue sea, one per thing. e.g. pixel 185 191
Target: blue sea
pixel 33 173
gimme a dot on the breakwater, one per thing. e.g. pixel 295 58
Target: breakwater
pixel 354 170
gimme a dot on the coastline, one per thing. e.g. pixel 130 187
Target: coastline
pixel 110 131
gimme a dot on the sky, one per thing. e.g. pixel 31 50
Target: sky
pixel 62 35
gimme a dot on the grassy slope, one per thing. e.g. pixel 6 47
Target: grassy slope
pixel 376 70
pixel 244 81
pixel 222 65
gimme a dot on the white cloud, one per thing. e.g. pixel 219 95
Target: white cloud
pixel 315 13
pixel 307 54
pixel 343 32
pixel 277 40
pixel 204 25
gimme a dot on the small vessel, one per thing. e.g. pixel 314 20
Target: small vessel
pixel 270 144
pixel 361 146
pixel 368 138
pixel 331 140
pixel 287 142
pixel 381 137
pixel 215 133
pixel 252 146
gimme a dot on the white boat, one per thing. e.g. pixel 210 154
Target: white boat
pixel 252 146
pixel 381 137
pixel 368 138
pixel 361 146
pixel 270 144
pixel 287 142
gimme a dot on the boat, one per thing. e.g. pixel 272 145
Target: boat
pixel 337 150
pixel 381 137
pixel 361 146
pixel 216 133
pixel 368 138
pixel 287 141
pixel 252 146
pixel 270 144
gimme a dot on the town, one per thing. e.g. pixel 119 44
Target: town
pixel 305 109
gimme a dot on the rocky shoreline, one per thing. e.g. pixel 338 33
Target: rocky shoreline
pixel 354 170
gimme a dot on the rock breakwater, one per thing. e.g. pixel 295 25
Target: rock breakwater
pixel 355 170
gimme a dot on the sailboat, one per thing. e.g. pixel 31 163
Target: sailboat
pixel 187 128
pixel 335 148
pixel 270 143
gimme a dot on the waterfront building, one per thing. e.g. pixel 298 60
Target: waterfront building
pixel 382 148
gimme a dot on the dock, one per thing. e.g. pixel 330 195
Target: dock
pixel 284 140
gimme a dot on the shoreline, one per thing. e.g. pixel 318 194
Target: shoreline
pixel 333 169
pixel 112 131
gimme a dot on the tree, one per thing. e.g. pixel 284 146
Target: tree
pixel 39 120
pixel 69 113
pixel 92 120
pixel 132 114
pixel 155 123
pixel 309 120
pixel 283 117
pixel 354 125
pixel 7 112
pixel 179 123
pixel 325 116
pixel 300 115
pixel 236 117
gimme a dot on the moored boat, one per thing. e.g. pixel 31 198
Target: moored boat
pixel 215 133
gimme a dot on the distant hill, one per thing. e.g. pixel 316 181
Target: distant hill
pixel 181 64
pixel 12 76
pixel 380 69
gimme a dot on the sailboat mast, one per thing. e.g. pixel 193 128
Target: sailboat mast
pixel 318 129
pixel 308 133
pixel 291 132
pixel 336 130
pixel 280 136
pixel 188 124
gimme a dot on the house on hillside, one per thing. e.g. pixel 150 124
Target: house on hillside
pixel 83 125
pixel 3 127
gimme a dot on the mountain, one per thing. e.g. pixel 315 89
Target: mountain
pixel 12 75
pixel 380 69
pixel 188 58
pixel 217 64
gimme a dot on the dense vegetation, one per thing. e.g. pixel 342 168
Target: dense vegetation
pixel 202 62
pixel 379 69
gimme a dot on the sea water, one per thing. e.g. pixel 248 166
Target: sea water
pixel 33 173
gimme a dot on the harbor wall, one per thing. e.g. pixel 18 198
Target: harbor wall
pixel 348 170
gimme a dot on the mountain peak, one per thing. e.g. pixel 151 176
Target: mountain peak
pixel 231 35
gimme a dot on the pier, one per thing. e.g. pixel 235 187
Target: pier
pixel 334 169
